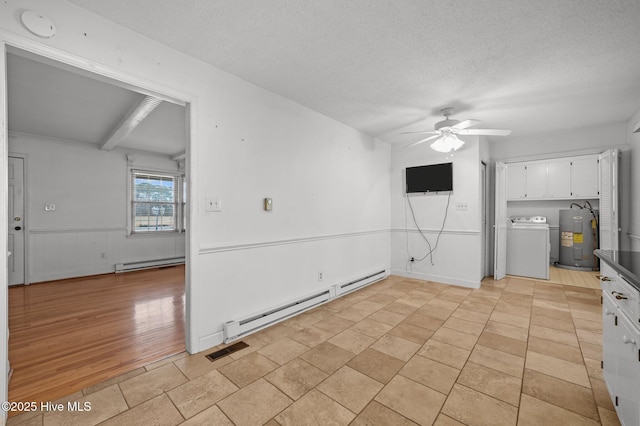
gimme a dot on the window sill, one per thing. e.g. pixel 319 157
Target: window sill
pixel 155 234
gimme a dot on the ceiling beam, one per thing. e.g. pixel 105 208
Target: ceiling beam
pixel 130 121
pixel 180 156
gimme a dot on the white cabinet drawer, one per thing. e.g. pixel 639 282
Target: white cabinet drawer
pixel 627 298
pixel 607 278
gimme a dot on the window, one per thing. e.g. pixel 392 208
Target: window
pixel 156 202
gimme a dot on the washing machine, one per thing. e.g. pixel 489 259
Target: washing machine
pixel 528 247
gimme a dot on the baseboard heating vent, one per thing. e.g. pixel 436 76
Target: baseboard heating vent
pixel 360 282
pixel 213 356
pixel 136 266
pixel 235 329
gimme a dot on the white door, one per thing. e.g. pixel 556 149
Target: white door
pixel 609 232
pixel 15 238
pixel 500 246
pixel 483 224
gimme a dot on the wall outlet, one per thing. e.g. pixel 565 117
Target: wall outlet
pixel 462 205
pixel 320 276
pixel 213 204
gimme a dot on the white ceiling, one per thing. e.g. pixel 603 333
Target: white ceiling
pixel 386 66
pixel 50 99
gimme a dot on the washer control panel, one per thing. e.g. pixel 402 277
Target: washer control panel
pixel 528 219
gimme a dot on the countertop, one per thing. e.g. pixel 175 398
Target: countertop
pixel 626 263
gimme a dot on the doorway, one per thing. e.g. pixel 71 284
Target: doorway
pixel 50 234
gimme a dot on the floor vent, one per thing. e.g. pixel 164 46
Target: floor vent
pixel 235 329
pixel 360 282
pixel 226 351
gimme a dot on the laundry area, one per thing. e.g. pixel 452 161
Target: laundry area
pixel 553 214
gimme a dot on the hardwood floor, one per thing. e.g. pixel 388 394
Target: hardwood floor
pixel 66 335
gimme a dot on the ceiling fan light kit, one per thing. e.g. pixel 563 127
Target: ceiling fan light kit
pixel 446 132
pixel 447 143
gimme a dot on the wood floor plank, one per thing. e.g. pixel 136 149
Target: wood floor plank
pixel 69 334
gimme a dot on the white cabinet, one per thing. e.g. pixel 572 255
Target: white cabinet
pixel 516 181
pixel 559 179
pixel 536 180
pixel 584 177
pixel 628 371
pixel 526 181
pixel 621 345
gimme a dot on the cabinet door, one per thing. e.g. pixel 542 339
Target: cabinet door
pixel 516 181
pixel 609 344
pixel 559 179
pixel 628 389
pixel 536 180
pixel 584 177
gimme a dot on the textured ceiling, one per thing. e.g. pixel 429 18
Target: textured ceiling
pixel 385 66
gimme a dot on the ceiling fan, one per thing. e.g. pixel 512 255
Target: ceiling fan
pixel 446 131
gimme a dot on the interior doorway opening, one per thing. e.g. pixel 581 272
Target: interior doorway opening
pixel 81 213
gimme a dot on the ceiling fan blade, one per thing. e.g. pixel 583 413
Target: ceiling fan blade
pixel 426 132
pixel 485 132
pixel 466 123
pixel 422 141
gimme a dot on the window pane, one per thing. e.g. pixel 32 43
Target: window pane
pixel 154 188
pixel 155 202
pixel 154 217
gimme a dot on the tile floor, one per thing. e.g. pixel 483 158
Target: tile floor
pixel 399 352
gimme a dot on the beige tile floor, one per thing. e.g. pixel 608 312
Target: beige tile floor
pixel 399 352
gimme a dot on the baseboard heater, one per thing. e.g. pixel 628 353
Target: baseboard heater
pixel 360 282
pixel 236 329
pixel 136 266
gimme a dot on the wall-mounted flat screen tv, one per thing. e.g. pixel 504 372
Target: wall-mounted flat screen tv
pixel 431 178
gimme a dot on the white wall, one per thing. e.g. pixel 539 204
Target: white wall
pixel 329 183
pixel 87 233
pixel 583 141
pixel 634 183
pixel 458 257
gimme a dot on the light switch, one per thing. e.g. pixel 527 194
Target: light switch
pixel 213 204
pixel 49 207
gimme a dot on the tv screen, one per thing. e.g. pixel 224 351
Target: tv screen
pixel 431 178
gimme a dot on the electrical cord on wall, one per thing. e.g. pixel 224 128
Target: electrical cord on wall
pixel 444 220
pixel 409 267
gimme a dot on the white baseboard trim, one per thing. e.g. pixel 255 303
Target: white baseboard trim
pixel 64 275
pixel 209 341
pixel 436 278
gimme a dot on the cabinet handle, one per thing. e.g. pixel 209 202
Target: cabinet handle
pixel 609 312
pixel 603 278
pixel 627 340
pixel 619 296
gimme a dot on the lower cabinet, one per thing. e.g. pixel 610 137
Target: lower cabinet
pixel 621 358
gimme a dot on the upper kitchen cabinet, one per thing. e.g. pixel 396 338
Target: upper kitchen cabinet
pixel 557 179
pixel 516 181
pixel 584 177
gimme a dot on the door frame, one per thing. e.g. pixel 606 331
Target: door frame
pixel 26 215
pixel 10 40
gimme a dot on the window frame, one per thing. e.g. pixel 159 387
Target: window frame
pixel 178 203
